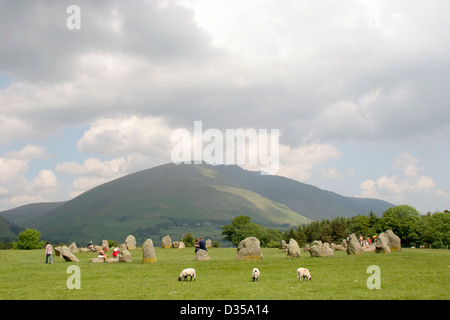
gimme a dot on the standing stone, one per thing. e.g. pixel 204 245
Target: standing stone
pixel 249 249
pixel 353 245
pixel 181 245
pixel 73 247
pixel 67 255
pixel 327 250
pixel 283 244
pixel 58 252
pixel 130 241
pixel 124 255
pixel 105 244
pixel 344 244
pixel 175 244
pixel 148 251
pixel 293 250
pixel 202 255
pixel 395 244
pixel 166 242
pixel 307 248
pixel 208 243
pixel 382 245
pixel 316 249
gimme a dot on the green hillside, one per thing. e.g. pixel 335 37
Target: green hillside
pixel 158 201
pixel 8 230
pixel 175 199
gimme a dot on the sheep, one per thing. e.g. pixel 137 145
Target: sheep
pixel 255 274
pixel 303 273
pixel 187 272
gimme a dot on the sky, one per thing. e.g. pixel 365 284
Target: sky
pixel 359 91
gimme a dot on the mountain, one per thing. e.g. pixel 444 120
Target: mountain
pixel 8 230
pixel 175 199
pixel 23 214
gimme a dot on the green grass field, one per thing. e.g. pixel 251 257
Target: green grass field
pixel 410 274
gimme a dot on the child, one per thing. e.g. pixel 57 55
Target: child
pixel 48 253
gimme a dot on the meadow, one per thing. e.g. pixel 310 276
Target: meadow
pixel 411 274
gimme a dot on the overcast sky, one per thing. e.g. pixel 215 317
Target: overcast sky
pixel 359 91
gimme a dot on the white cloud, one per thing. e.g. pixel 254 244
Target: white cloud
pixel 15 188
pixel 297 163
pixel 406 185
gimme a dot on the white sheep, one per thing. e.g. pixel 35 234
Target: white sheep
pixel 187 272
pixel 255 274
pixel 303 273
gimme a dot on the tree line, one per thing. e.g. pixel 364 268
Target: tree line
pixel 405 221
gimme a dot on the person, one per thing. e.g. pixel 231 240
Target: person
pixel 116 253
pixel 196 245
pixel 90 246
pixel 102 254
pixel 202 244
pixel 48 253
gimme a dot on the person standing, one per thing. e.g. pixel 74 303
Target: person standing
pixel 48 253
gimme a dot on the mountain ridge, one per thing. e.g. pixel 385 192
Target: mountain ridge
pixel 174 199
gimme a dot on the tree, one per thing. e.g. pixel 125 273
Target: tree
pixel 241 228
pixel 404 221
pixel 188 239
pixel 436 229
pixel 29 239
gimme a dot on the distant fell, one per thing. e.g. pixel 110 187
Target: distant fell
pixel 199 198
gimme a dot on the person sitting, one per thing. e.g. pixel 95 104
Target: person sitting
pixel 102 254
pixel 202 244
pixel 116 253
pixel 90 246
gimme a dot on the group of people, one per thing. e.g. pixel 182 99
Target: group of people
pixel 364 242
pixel 200 244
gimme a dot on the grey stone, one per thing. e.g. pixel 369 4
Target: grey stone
pixel 249 249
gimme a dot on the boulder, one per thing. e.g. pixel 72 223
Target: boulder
pixel 97 260
pixel 353 245
pixel 148 251
pixel 130 242
pixel 58 251
pixel 202 255
pixel 67 255
pixel 105 244
pixel 327 251
pixel 73 247
pixel 339 247
pixel 315 249
pixel 166 242
pixel 293 250
pixel 394 241
pixel 382 244
pixel 249 249
pixel 124 255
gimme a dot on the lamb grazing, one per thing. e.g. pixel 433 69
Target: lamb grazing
pixel 187 272
pixel 303 273
pixel 255 274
